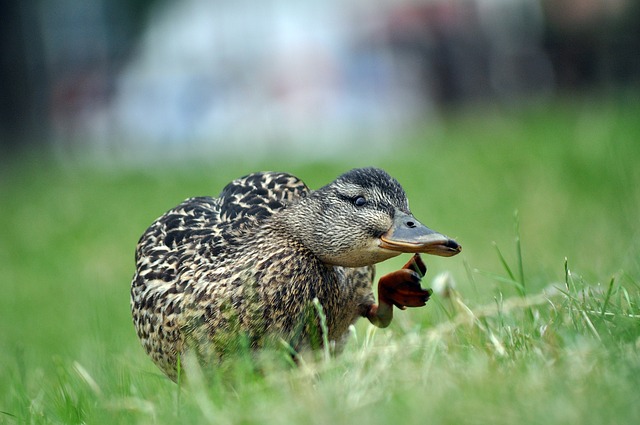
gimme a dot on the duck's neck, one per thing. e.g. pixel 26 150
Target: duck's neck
pixel 295 223
pixel 306 223
pixel 294 272
pixel 286 238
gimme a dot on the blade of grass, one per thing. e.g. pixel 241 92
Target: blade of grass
pixel 499 278
pixel 523 285
pixel 179 382
pixel 324 329
pixel 504 263
pixel 607 297
pixel 519 253
pixel 441 305
pixel 568 277
pixel 590 325
pixel 8 414
pixel 470 276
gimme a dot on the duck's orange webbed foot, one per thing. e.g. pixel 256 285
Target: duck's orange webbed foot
pixel 400 288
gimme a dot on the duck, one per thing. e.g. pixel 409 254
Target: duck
pixel 257 264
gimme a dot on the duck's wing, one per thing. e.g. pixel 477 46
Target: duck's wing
pixel 242 204
pixel 203 227
pixel 249 200
pixel 191 220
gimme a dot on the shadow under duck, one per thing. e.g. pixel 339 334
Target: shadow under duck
pixel 250 263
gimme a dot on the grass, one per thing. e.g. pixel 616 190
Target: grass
pixel 538 322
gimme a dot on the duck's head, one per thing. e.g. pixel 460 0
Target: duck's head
pixel 362 218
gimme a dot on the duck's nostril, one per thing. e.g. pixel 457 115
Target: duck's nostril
pixel 411 224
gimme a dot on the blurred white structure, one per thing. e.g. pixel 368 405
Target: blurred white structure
pixel 304 77
pixel 309 78
pixel 316 78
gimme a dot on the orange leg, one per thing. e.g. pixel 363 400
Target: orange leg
pixel 400 288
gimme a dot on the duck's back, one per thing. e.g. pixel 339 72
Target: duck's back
pixel 242 205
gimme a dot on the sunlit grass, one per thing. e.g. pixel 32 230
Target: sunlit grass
pixel 537 321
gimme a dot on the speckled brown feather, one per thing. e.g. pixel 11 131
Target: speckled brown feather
pixel 213 269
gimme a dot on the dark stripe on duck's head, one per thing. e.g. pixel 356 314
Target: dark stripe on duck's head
pixel 375 179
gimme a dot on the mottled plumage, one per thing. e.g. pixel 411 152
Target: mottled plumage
pixel 213 273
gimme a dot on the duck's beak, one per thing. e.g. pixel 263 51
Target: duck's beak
pixel 409 235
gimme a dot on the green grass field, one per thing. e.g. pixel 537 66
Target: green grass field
pixel 543 325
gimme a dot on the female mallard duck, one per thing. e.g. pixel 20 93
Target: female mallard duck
pixel 250 263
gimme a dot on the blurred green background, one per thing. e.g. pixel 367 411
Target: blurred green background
pixel 533 133
pixel 569 169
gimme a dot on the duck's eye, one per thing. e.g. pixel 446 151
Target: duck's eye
pixel 359 201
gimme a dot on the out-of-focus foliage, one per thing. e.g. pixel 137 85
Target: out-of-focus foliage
pixel 558 346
